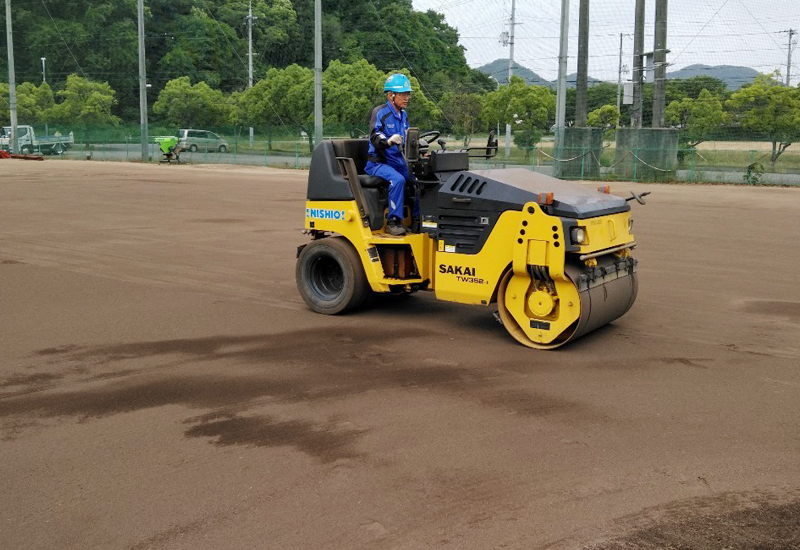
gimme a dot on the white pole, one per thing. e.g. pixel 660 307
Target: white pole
pixel 12 84
pixel 250 57
pixel 142 83
pixel 510 72
pixel 44 80
pixel 317 72
pixel 619 78
pixel 561 91
pixel 789 60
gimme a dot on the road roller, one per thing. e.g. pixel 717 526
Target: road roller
pixel 551 258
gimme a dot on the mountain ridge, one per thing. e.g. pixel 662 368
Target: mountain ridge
pixel 734 76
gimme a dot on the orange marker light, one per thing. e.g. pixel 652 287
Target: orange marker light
pixel 605 189
pixel 546 198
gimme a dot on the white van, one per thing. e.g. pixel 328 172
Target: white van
pixel 201 140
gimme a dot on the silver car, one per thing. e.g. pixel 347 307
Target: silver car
pixel 201 140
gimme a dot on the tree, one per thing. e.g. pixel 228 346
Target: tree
pixel 680 88
pixel 5 108
pixel 770 109
pixel 182 104
pixel 85 103
pixel 275 22
pixel 350 93
pixel 697 118
pixel 597 95
pixel 606 117
pixel 462 111
pixel 526 108
pixel 285 96
pixel 34 103
pixel 89 38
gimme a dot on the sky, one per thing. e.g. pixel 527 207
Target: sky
pixel 750 33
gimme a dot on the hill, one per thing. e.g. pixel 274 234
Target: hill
pixel 498 69
pixel 733 77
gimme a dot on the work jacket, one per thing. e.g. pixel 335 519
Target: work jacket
pixel 384 122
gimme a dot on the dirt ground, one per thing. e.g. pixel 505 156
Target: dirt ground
pixel 163 385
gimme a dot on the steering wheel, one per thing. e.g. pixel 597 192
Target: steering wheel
pixel 433 135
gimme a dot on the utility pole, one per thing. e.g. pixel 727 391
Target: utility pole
pixel 638 66
pixel 317 72
pixel 619 78
pixel 660 64
pixel 142 83
pixel 563 50
pixel 583 65
pixel 510 70
pixel 250 56
pixel 789 60
pixel 44 75
pixel 12 83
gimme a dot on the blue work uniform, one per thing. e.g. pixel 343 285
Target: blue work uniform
pixel 388 162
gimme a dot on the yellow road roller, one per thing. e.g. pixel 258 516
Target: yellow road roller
pixel 554 256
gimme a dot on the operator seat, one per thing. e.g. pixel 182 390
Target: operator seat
pixel 357 150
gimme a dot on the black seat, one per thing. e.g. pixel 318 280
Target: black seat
pixel 357 149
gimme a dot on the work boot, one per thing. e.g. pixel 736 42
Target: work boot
pixel 395 227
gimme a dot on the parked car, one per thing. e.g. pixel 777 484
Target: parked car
pixel 201 140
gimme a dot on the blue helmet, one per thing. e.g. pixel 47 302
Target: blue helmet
pixel 397 83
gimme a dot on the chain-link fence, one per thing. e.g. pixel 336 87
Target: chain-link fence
pixel 740 162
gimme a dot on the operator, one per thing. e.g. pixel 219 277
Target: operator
pixel 388 125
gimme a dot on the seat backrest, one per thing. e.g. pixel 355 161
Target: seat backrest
pixel 355 149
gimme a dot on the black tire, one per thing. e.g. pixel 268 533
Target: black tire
pixel 58 149
pixel 330 276
pixel 193 148
pixel 26 149
pixel 223 149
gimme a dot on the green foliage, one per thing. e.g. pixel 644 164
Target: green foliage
pixel 597 95
pixel 698 118
pixel 184 105
pixel 85 103
pixel 692 88
pixel 422 112
pixel 350 93
pixel 606 117
pixel 89 38
pixel 527 108
pixel 284 97
pixel 768 108
pixel 34 103
pixel 461 112
pixel 5 113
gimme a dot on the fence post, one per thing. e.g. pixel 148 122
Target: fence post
pixel 635 163
pixel 296 156
pixel 750 177
pixel 534 157
pixel 693 179
pixel 583 161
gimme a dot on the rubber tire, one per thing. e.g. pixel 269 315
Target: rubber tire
pixel 330 276
pixel 223 149
pixel 26 149
pixel 58 149
pixel 193 148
